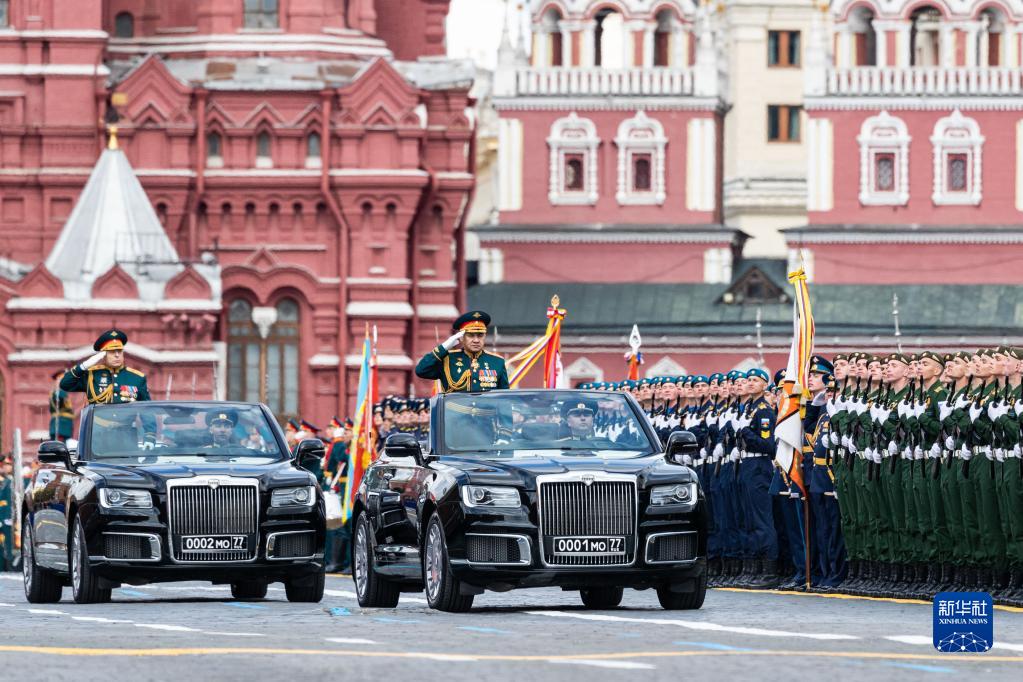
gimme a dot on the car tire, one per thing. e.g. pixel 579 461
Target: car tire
pixel 372 590
pixel 306 590
pixel 443 590
pixel 249 589
pixel 85 584
pixel 41 586
pixel 683 601
pixel 602 597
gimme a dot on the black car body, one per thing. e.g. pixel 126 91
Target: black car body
pixel 579 519
pixel 213 514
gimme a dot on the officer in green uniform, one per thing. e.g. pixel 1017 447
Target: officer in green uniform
pixel 104 378
pixel 460 363
pixel 62 415
pixel 6 515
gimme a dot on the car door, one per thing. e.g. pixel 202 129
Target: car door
pixel 50 491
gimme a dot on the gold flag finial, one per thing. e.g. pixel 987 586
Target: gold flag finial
pixel 111 137
pixel 555 301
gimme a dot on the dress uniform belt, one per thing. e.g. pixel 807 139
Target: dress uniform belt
pixel 753 455
pixel 821 461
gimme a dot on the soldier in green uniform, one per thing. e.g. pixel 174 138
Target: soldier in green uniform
pixel 104 378
pixel 62 415
pixel 460 363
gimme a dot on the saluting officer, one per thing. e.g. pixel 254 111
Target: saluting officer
pixel 104 378
pixel 460 363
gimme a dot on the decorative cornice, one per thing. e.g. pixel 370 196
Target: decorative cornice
pixel 912 103
pixel 559 235
pixel 898 235
pixel 707 104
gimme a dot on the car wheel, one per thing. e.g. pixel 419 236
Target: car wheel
pixel 683 601
pixel 307 589
pixel 443 590
pixel 372 590
pixel 41 586
pixel 85 585
pixel 249 589
pixel 602 597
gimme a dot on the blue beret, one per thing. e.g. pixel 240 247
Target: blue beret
pixel 700 379
pixel 759 374
pixel 717 376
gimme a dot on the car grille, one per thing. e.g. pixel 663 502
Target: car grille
pixel 117 546
pixel 496 549
pixel 672 547
pixel 205 510
pixel 293 545
pixel 601 509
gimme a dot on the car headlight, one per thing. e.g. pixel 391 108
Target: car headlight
pixel 680 493
pixel 302 496
pixel 125 498
pixel 489 496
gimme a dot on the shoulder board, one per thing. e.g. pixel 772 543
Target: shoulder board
pixel 96 368
pixel 493 355
pixel 134 371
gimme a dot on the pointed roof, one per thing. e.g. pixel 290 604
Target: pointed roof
pixel 113 224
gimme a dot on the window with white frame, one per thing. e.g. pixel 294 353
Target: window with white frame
pixel 884 161
pixel 263 157
pixel 957 146
pixel 640 142
pixel 573 143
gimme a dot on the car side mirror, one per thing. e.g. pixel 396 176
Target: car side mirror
pixel 309 452
pixel 55 452
pixel 403 445
pixel 680 444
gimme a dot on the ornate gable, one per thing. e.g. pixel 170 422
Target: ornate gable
pixel 40 283
pixel 115 283
pixel 152 92
pixel 188 284
pixel 378 96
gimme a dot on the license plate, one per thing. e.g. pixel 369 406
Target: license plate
pixel 589 546
pixel 214 543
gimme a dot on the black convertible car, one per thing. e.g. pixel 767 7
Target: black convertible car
pixel 527 489
pixel 165 491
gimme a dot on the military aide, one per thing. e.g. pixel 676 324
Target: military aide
pixel 468 368
pixel 104 378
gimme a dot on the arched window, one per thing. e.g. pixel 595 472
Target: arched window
pixel 5 16
pixel 214 150
pixel 551 43
pixel 989 40
pixel 313 151
pixel 573 161
pixel 263 355
pixel 263 157
pixel 261 14
pixel 925 37
pixel 641 143
pixel 957 160
pixel 663 37
pixel 884 161
pixel 861 25
pixel 609 40
pixel 124 25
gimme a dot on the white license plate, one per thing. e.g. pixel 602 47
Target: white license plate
pixel 214 543
pixel 589 546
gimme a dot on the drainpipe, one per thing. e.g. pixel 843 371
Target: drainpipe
pixel 344 230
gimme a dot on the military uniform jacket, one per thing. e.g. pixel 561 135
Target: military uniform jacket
pixel 337 460
pixel 758 437
pixel 61 414
pixel 822 479
pixel 458 371
pixel 102 385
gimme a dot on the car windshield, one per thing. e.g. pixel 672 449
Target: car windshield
pixel 528 423
pixel 140 433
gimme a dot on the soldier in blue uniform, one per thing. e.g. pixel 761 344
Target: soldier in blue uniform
pixel 824 502
pixel 460 363
pixel 104 378
pixel 62 415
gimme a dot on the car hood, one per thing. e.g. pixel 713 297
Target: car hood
pixel 155 476
pixel 522 471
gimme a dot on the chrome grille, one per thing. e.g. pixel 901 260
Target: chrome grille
pixel 571 508
pixel 116 546
pixel 201 509
pixel 671 547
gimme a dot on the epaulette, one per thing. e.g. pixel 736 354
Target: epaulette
pixel 134 371
pixel 493 355
pixel 96 368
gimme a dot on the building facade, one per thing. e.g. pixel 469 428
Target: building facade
pixel 318 154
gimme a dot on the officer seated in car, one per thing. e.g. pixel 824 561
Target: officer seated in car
pixel 577 423
pixel 221 424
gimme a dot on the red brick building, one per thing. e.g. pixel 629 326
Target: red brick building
pixel 307 165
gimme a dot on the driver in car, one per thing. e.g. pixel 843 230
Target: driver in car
pixel 221 425
pixel 577 416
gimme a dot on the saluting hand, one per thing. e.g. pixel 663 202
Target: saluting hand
pixel 453 340
pixel 94 360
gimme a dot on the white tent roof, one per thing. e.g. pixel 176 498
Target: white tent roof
pixel 114 223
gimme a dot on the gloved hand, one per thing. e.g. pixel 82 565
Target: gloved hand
pixel 934 452
pixel 999 454
pixel 1017 451
pixel 826 439
pixel 93 360
pixel 974 412
pixel 965 454
pixel 703 453
pixel 453 340
pixel 918 452
pixel 687 460
pixel 893 448
pixel 718 450
pixel 950 443
pixel 846 442
pixel 944 411
pixel 148 445
pixel 986 451
pixel 852 448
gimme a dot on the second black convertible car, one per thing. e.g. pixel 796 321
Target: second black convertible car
pixel 528 489
pixel 164 491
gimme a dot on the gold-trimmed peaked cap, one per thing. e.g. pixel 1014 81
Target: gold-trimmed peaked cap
pixel 473 321
pixel 221 416
pixel 111 339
